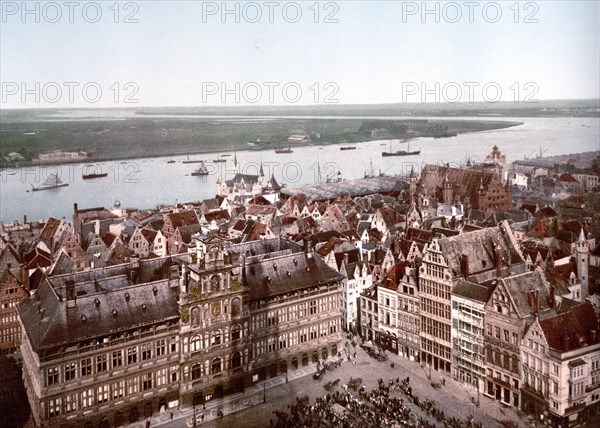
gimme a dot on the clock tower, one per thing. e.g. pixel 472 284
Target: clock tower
pixel 214 324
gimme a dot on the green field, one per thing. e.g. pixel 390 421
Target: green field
pixel 155 136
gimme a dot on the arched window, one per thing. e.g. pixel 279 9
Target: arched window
pixel 236 332
pixel 216 366
pixel 236 360
pixel 195 316
pixel 196 371
pixel 216 338
pixel 236 307
pixel 195 343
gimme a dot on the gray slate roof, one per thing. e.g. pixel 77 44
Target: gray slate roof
pixel 287 273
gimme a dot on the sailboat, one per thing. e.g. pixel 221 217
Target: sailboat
pixel 201 170
pixel 401 152
pixel 51 182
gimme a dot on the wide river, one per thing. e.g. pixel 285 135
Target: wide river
pixel 146 183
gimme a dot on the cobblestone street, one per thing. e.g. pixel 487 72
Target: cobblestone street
pixel 248 410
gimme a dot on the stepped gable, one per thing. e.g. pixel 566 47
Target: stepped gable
pixel 576 328
pixel 287 274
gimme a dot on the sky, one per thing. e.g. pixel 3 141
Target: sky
pixel 193 53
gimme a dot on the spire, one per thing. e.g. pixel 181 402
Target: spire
pixel 261 171
pixel 581 241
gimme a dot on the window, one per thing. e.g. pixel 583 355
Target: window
pixel 70 403
pixel 133 385
pixel 147 382
pixel 87 398
pixel 161 377
pixel 235 332
pixel 146 349
pixel 216 338
pixel 118 389
pixel 86 367
pixel 52 376
pixel 69 372
pixel 312 307
pixel 54 408
pixel 216 366
pixel 117 359
pixel 174 370
pixel 101 363
pixel 195 343
pixel 173 342
pixel 236 360
pixel 132 355
pixel 577 372
pixel 102 393
pixel 161 347
pixel 196 371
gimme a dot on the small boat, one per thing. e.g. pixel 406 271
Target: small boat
pixel 52 182
pixel 188 160
pixel 401 152
pixel 225 155
pixel 219 160
pixel 348 148
pixel 171 161
pixel 201 170
pixel 92 176
pixel 288 150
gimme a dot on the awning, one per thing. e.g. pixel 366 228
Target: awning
pixel 576 363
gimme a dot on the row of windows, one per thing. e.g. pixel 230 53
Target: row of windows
pixel 435 348
pixel 10 334
pixel 502 334
pixel 535 363
pixel 435 328
pixel 438 309
pixel 292 338
pixel 436 289
pixel 114 360
pixel 89 397
pixel 213 367
pixel 293 312
pixel 503 359
pixel 215 338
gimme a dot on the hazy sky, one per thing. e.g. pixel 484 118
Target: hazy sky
pixel 185 53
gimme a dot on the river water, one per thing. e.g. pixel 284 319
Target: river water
pixel 146 183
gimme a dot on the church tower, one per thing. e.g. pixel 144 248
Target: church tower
pixel 447 192
pixel 583 259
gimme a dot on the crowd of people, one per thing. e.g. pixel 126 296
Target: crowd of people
pixel 389 405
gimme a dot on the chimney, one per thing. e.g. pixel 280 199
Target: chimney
pixel 498 261
pixel 346 259
pixel 25 277
pixel 593 336
pixel 464 265
pixel 551 299
pixel 71 294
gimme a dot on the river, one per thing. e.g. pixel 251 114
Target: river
pixel 148 182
